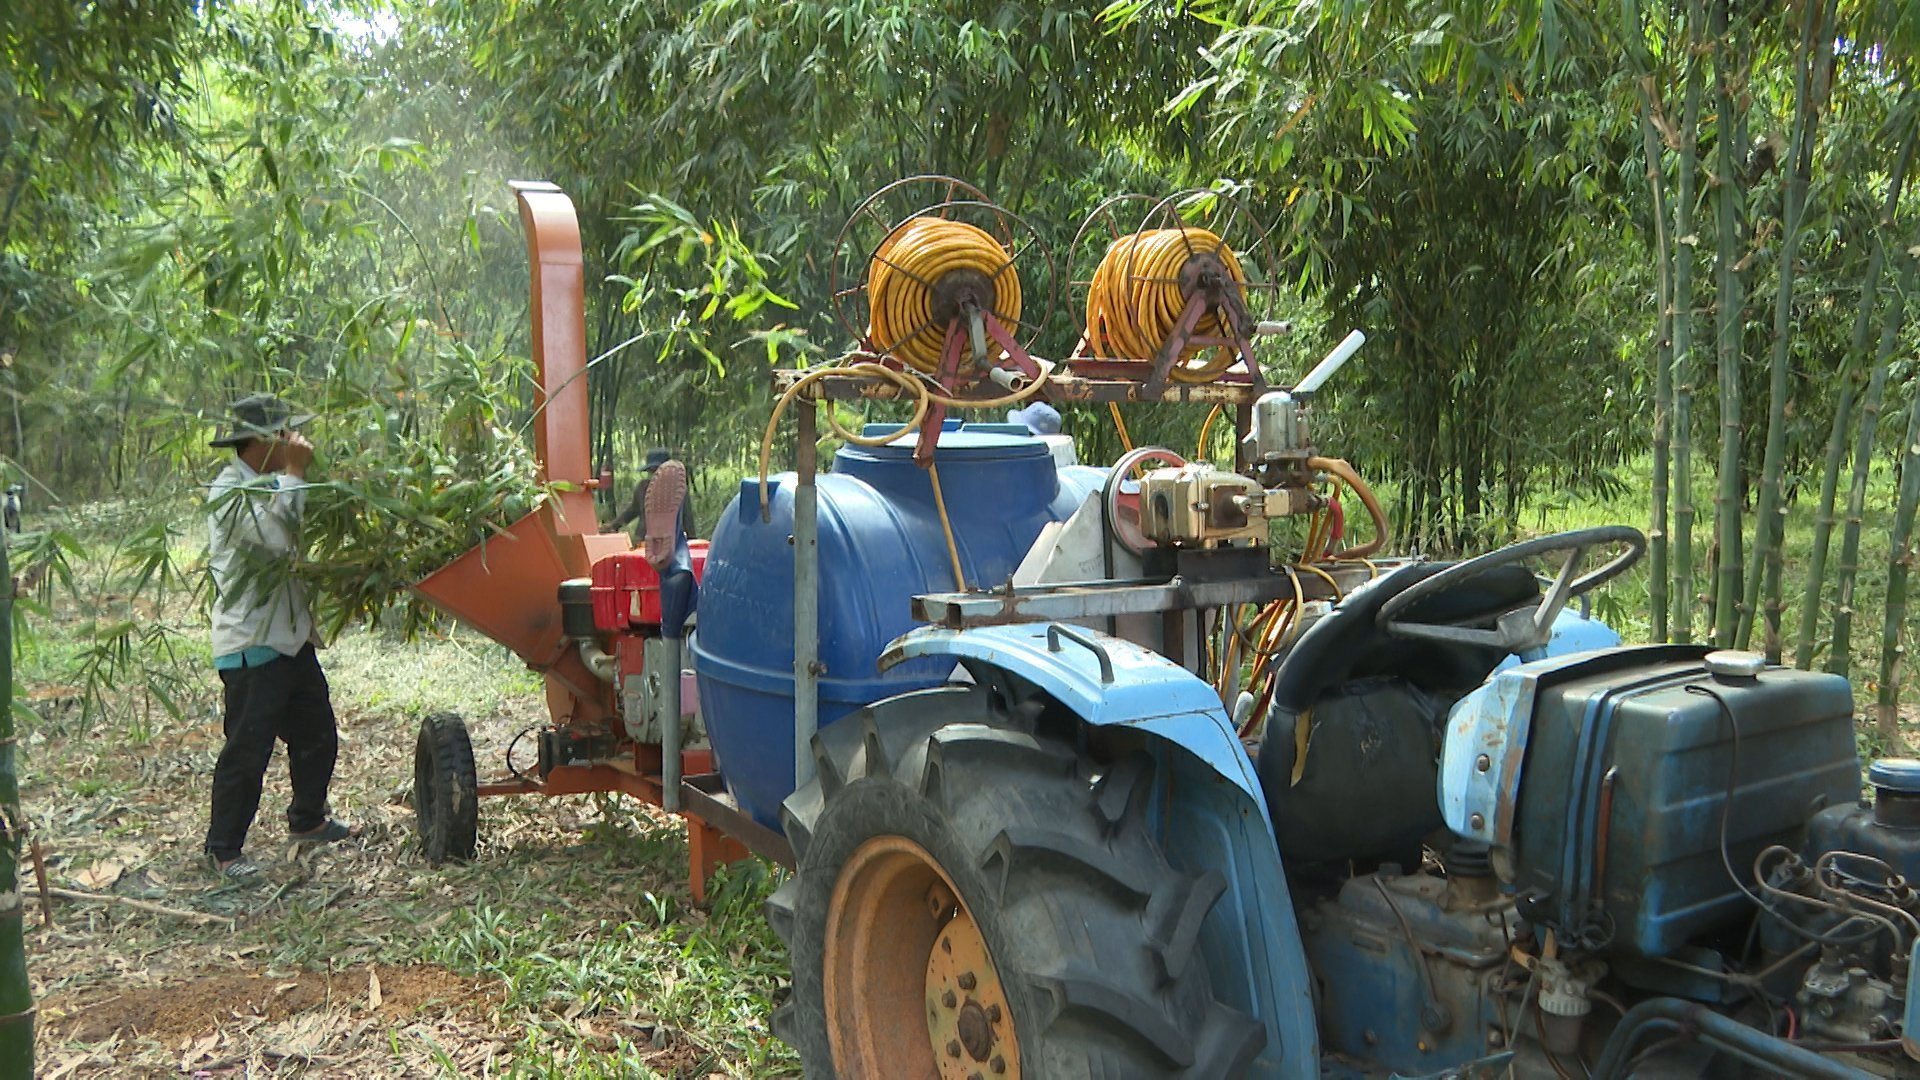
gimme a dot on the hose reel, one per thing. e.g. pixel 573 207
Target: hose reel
pixel 1171 296
pixel 926 276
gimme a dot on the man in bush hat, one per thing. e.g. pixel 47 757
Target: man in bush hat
pixel 263 635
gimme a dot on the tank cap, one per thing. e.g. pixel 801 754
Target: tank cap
pixel 1735 664
pixel 1898 775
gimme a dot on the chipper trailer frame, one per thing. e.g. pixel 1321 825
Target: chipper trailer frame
pixel 1110 773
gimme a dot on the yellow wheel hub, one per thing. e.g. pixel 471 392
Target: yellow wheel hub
pixel 911 988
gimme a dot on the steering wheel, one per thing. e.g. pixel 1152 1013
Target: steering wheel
pixel 1122 495
pixel 1521 629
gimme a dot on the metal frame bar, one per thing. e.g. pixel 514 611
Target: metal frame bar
pixel 1096 600
pixel 806 597
pixel 1062 388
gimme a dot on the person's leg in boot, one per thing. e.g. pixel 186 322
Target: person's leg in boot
pixel 255 698
pixel 308 728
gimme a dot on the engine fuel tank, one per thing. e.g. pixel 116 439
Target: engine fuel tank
pixel 1605 780
pixel 880 544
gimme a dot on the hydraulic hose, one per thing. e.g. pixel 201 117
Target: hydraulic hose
pixel 1757 1049
pixel 1135 300
pixel 1345 473
pixel 902 278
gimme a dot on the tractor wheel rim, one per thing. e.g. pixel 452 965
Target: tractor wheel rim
pixel 910 986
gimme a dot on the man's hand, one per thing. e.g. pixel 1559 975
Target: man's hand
pixel 294 452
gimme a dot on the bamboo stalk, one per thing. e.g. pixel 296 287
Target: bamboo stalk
pixel 16 997
pixel 1763 577
pixel 1684 242
pixel 1899 558
pixel 1662 364
pixel 1850 370
pixel 1840 660
pixel 1729 317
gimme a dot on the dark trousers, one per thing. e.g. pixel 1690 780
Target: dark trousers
pixel 284 699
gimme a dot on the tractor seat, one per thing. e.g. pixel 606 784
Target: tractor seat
pixel 1373 707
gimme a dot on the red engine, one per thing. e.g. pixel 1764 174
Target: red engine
pixel 626 589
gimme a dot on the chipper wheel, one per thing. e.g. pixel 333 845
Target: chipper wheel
pixel 446 801
pixel 974 901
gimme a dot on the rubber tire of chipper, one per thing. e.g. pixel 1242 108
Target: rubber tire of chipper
pixel 446 800
pixel 1048 859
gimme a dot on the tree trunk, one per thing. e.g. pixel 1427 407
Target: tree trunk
pixel 1662 365
pixel 1763 579
pixel 1851 366
pixel 1729 319
pixel 1684 244
pixel 16 998
pixel 1899 558
pixel 1840 660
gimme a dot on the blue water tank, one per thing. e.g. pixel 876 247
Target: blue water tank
pixel 880 544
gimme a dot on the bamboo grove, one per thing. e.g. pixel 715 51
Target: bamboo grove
pixel 1661 249
pixel 1777 145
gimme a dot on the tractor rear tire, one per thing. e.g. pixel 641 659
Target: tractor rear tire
pixel 943 825
pixel 446 799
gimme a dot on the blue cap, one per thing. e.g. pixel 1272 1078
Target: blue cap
pixel 1040 418
pixel 1898 775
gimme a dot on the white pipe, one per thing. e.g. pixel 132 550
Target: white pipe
pixel 1324 369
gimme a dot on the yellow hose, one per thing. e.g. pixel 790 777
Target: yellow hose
pixel 1206 429
pixel 1134 302
pixel 900 280
pixel 1382 532
pixel 940 504
pixel 1120 425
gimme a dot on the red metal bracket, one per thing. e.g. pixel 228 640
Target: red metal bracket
pixel 937 411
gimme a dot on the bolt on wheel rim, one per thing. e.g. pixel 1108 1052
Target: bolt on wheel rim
pixel 911 988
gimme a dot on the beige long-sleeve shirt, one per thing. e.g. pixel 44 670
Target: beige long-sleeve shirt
pixel 253 541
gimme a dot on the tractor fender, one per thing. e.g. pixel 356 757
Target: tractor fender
pixel 1211 816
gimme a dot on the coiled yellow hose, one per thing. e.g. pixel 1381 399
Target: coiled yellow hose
pixel 1134 302
pixel 908 263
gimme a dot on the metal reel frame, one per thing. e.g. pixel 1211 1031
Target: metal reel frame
pixel 958 201
pixel 1229 215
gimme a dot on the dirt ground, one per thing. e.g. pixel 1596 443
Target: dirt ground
pixel 568 948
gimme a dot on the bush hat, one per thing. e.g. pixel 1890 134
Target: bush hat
pixel 258 416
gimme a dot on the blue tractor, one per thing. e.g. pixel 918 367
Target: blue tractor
pixel 1469 834
pixel 1081 775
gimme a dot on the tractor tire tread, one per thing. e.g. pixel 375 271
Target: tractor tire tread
pixel 1064 874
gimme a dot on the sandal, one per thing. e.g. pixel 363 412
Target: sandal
pixel 325 833
pixel 238 868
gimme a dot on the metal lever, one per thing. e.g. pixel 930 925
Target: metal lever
pixel 977 330
pixel 1055 632
pixel 1324 369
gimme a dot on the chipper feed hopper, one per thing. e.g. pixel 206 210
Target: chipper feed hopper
pixel 1161 769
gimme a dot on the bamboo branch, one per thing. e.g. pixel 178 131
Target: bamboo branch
pixel 1684 242
pixel 1662 364
pixel 1840 659
pixel 140 905
pixel 1763 577
pixel 1899 560
pixel 1851 366
pixel 16 996
pixel 1729 320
